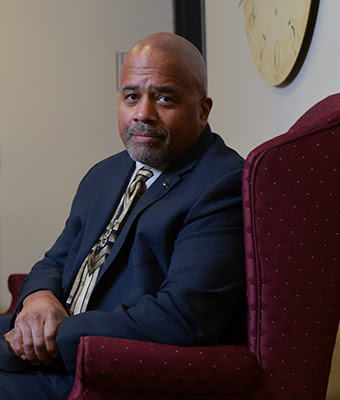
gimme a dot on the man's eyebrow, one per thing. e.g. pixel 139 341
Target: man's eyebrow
pixel 129 88
pixel 166 89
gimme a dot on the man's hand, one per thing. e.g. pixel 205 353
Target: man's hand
pixel 34 336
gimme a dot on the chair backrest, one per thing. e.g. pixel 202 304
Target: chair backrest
pixel 292 237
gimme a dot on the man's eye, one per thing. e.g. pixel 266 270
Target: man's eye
pixel 131 97
pixel 165 99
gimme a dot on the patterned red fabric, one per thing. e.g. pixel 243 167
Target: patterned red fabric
pixel 127 365
pixel 292 224
pixel 322 114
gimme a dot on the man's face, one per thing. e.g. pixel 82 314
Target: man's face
pixel 160 111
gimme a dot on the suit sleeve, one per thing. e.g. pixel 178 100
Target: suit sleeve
pixel 204 288
pixel 47 274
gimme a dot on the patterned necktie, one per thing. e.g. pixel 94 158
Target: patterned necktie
pixel 87 275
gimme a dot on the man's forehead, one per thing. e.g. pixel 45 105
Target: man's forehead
pixel 158 65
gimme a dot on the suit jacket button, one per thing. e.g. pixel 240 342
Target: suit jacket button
pixel 166 183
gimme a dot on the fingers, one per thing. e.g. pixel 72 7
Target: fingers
pixel 50 333
pixel 9 337
pixel 14 339
pixel 34 345
pixel 34 335
pixel 35 341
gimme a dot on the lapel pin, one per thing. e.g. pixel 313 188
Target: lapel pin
pixel 166 184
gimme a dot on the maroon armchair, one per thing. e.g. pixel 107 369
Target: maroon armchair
pixel 14 284
pixel 292 222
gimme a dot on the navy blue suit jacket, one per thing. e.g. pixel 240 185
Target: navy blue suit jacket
pixel 176 272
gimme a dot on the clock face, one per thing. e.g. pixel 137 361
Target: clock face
pixel 275 31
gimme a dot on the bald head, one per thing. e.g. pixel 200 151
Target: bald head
pixel 162 105
pixel 178 49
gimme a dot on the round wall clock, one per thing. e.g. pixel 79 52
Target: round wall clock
pixel 276 30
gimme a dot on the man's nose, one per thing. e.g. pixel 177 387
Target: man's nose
pixel 146 111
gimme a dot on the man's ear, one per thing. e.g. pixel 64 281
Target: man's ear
pixel 205 107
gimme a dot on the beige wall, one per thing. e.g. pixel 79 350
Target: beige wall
pixel 247 111
pixel 57 109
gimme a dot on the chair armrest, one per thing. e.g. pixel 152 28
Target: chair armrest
pixel 108 364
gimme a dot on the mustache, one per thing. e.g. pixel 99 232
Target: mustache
pixel 140 127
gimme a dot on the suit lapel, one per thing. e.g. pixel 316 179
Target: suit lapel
pixel 171 177
pixel 158 189
pixel 102 211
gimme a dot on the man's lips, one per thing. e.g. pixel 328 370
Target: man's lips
pixel 145 137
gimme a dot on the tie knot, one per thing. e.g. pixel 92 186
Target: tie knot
pixel 144 174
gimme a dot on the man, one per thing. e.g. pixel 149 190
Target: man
pixel 174 272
